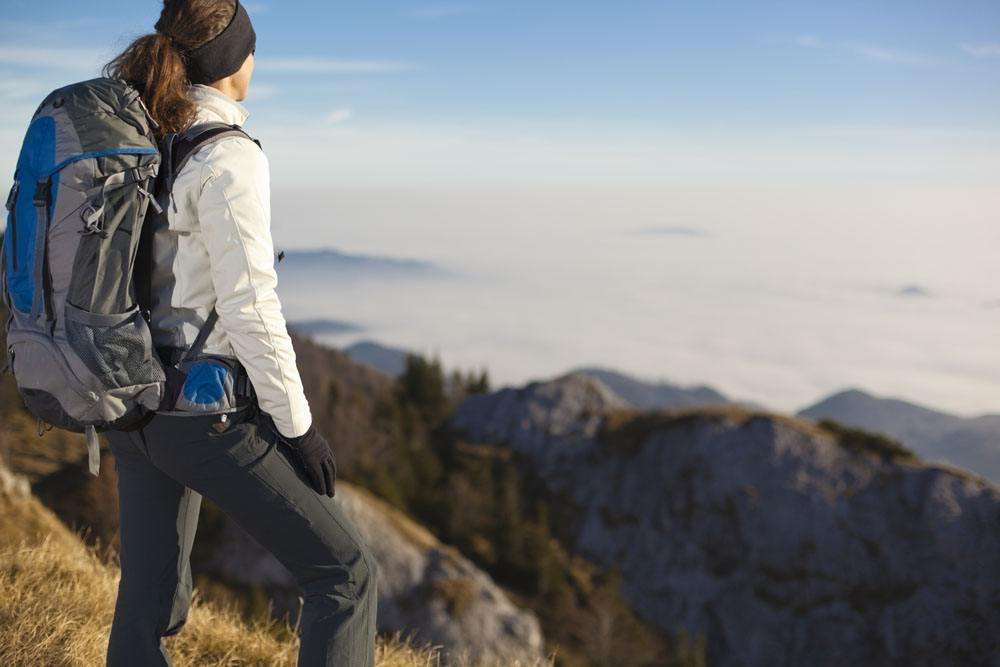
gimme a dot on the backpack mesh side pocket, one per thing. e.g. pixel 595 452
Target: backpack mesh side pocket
pixel 116 348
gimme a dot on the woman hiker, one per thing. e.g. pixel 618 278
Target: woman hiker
pixel 266 466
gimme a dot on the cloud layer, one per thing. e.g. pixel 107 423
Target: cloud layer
pixel 983 50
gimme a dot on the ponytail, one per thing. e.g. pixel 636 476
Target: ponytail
pixel 156 68
pixel 155 64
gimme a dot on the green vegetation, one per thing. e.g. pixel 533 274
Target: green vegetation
pixel 480 499
pixel 866 443
pixel 625 431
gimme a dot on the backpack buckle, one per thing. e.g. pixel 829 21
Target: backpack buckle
pixel 43 191
pixel 152 200
pixel 91 217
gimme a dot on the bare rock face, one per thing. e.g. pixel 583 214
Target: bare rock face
pixel 426 589
pixel 770 537
pixel 549 422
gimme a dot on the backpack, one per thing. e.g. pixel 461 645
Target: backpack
pixel 77 256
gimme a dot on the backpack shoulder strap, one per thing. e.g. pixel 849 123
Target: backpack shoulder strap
pixel 177 149
pixel 198 136
pixel 182 147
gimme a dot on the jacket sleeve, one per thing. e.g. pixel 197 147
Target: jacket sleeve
pixel 234 211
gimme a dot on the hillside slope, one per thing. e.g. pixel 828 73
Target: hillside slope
pixel 782 543
pixel 58 600
pixel 426 588
pixel 972 443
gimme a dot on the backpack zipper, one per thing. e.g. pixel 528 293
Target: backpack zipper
pixel 11 206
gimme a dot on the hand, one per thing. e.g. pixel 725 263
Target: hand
pixel 316 460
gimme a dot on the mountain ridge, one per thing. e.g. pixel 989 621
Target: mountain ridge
pixel 362 265
pixel 653 395
pixel 780 541
pixel 972 443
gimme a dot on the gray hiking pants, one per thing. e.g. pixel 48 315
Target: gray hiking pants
pixel 163 472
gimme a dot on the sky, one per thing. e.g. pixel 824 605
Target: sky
pixel 415 93
pixel 735 193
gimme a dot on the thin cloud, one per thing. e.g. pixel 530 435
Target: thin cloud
pixel 869 51
pixel 439 11
pixel 66 59
pixel 809 42
pixel 13 89
pixel 293 65
pixel 985 50
pixel 19 29
pixel 886 55
pixel 257 8
pixel 671 230
pixel 339 116
pixel 262 91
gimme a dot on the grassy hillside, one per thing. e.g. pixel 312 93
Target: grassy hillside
pixel 388 438
pixel 58 599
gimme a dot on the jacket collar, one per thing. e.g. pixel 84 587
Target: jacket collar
pixel 214 105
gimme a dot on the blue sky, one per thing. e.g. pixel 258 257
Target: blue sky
pixel 591 90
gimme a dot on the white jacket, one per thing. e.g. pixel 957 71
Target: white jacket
pixel 217 252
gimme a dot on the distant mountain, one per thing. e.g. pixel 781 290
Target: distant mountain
pixel 913 291
pixel 361 266
pixel 388 360
pixel 324 327
pixel 654 395
pixel 778 542
pixel 972 443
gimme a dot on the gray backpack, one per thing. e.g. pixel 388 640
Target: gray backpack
pixel 78 336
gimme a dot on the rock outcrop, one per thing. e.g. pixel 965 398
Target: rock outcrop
pixel 972 443
pixel 427 590
pixel 779 543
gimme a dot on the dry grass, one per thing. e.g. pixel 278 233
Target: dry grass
pixel 57 598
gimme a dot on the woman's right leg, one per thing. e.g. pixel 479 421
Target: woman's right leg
pixel 249 476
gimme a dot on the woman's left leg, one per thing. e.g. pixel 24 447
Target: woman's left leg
pixel 158 517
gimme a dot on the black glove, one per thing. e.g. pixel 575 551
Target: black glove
pixel 316 460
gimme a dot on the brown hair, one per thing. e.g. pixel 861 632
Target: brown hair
pixel 155 63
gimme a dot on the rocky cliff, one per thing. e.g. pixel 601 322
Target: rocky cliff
pixel 781 543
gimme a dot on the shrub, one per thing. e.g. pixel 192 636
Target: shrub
pixel 862 442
